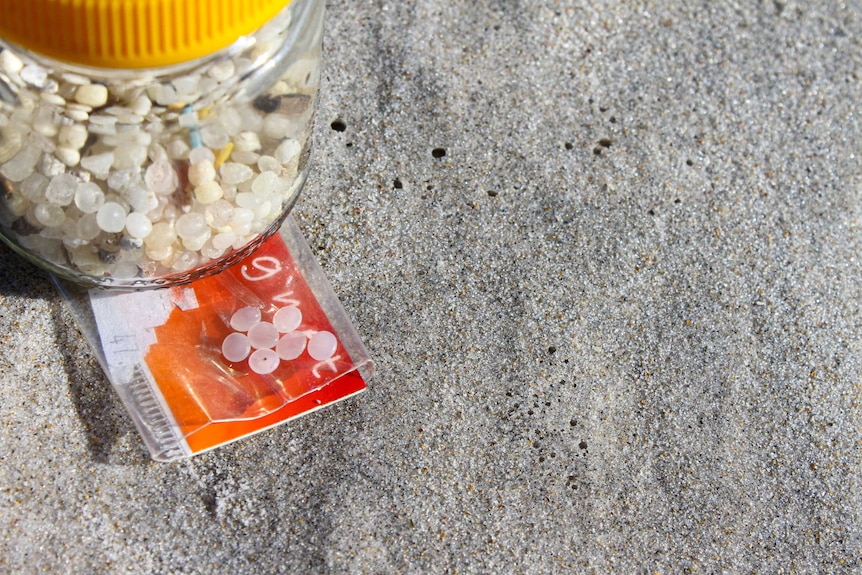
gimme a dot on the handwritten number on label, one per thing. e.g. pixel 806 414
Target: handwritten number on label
pixel 267 265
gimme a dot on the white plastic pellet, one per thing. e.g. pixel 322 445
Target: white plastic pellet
pixel 99 164
pixel 263 335
pixel 201 172
pixel 191 225
pixel 263 361
pixel 223 241
pixel 10 63
pixel 214 135
pixel 219 213
pixel 69 156
pixel 89 197
pixel 221 71
pixel 61 189
pixel 22 164
pixel 201 154
pixel 243 157
pixel 291 345
pixel 88 227
pixel 322 345
pixel 208 192
pixel 138 225
pixel 287 151
pixel 111 217
pixel 93 95
pixel 185 85
pixel 233 173
pixel 264 183
pixel 268 164
pixel 235 347
pixel 185 261
pixel 287 319
pixel 276 126
pixel 178 150
pixel 33 187
pixel 131 155
pixel 49 215
pixel 161 236
pixel 35 75
pixel 165 95
pixel 141 105
pixel 161 178
pixel 194 244
pixel 246 142
pixel 72 136
pixel 244 318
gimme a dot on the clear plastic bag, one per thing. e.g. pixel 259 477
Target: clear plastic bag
pixel 291 346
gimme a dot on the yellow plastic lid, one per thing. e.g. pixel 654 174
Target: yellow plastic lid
pixel 131 33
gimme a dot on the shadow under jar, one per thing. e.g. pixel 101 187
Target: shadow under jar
pixel 155 144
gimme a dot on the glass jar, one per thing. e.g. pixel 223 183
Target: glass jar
pixel 158 153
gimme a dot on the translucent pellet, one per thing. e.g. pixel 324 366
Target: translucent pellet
pixel 248 201
pixel 268 164
pixel 87 227
pixel 111 217
pixel 191 225
pixel 244 318
pixel 210 252
pixel 209 192
pixel 287 319
pixel 141 199
pixel 287 151
pixel 223 241
pixel 49 215
pixel 89 197
pixel 69 156
pixel 125 270
pixel 98 164
pixel 219 213
pixel 214 135
pixel 263 335
pixel 201 172
pixel 161 236
pixel 61 189
pixel 246 142
pixel 72 136
pixel 93 95
pixel 122 179
pixel 291 345
pixel 130 155
pixel 141 105
pixel 185 85
pixel 22 165
pixel 35 75
pixel 164 95
pixel 201 154
pixel 244 157
pixel 264 183
pixel 138 225
pixel 263 361
pixel 235 347
pixel 33 187
pixel 195 243
pixel 161 178
pixel 233 173
pixel 276 126
pixel 178 150
pixel 159 254
pixel 322 345
pixel 185 261
pixel 222 70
